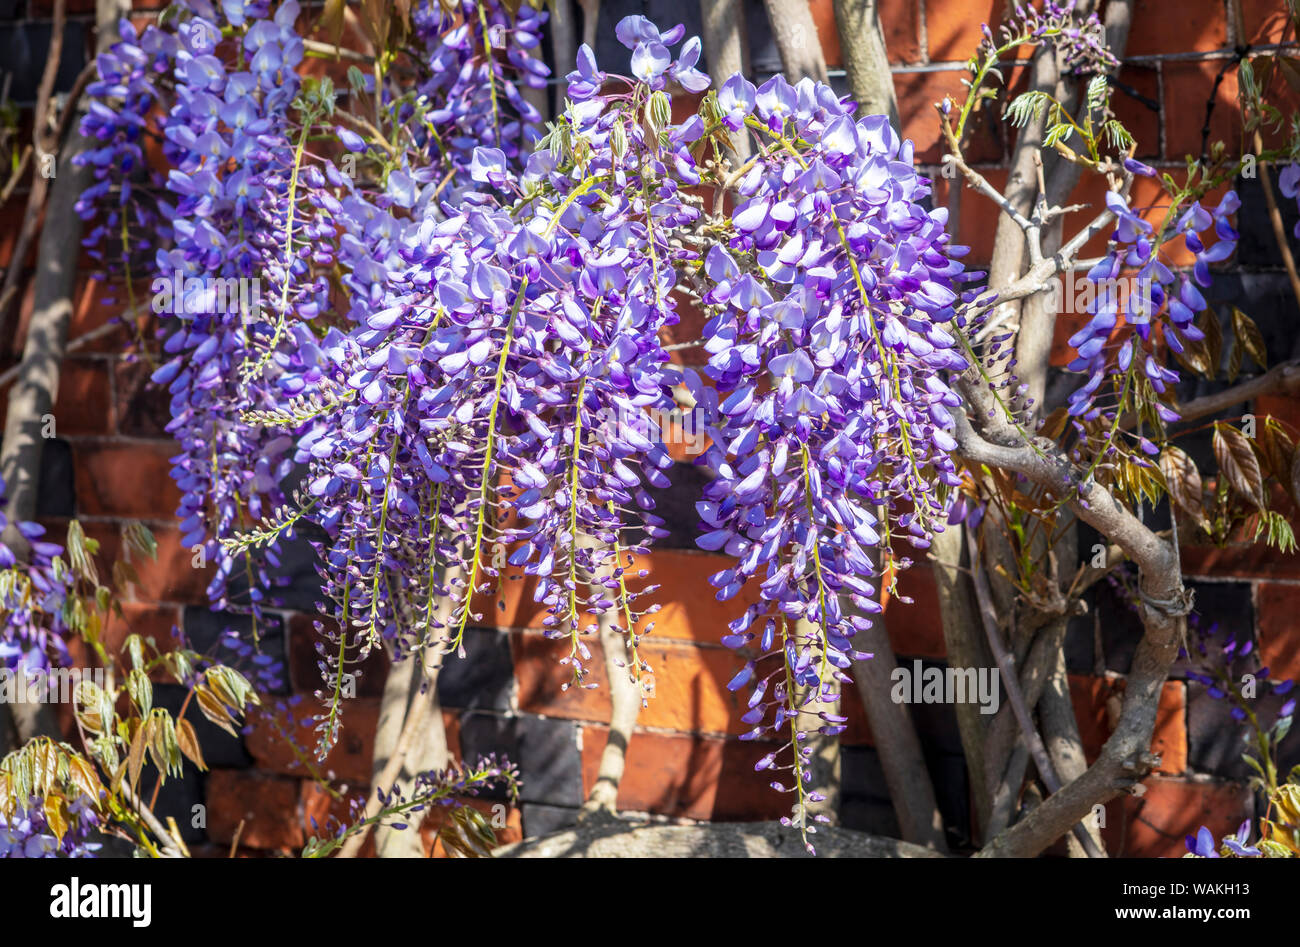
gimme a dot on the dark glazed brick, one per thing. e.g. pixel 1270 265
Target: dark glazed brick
pixel 864 800
pixel 56 494
pixel 481 680
pixel 541 819
pixel 299 586
pixel 860 773
pixel 1081 636
pixel 143 409
pixel 1229 606
pixel 482 734
pixel 1258 246
pixel 204 629
pixel 305 675
pixel 24 47
pixel 1267 299
pixel 219 748
pixel 549 761
pixel 1121 629
pixel 675 504
pixel 936 724
pixel 177 798
pixel 546 752
pixel 1215 741
pixel 951 790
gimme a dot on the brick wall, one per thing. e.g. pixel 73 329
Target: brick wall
pixel 109 465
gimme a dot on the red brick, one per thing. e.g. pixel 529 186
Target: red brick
pixel 979 215
pixel 140 408
pixel 1277 608
pixel 952 27
pixel 919 92
pixel 690 685
pixel 690 612
pixel 146 620
pixel 82 405
pixel 1285 409
pixel 349 761
pixel 1091 192
pixel 541 679
pixel 1133 114
pixel 96 304
pixel 1188 86
pixel 1155 824
pixel 266 805
pixel 304 674
pixel 316 803
pixel 1169 737
pixel 11 222
pixel 691 690
pixel 691 777
pixel 1241 559
pixel 899 22
pixel 172 577
pixel 1264 21
pixel 690 607
pixel 916 629
pixel 1067 324
pixel 1195 26
pixel 127 480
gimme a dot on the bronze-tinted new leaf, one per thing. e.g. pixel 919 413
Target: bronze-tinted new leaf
pixel 54 816
pixel 1249 337
pixel 1196 355
pixel 1275 448
pixel 467 834
pixel 1293 483
pixel 331 20
pixel 135 758
pixel 1209 324
pixel 1183 481
pixel 1237 462
pixel 215 710
pixel 1234 360
pixel 189 743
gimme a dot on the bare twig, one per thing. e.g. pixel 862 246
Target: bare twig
pixel 1275 221
pixel 1011 684
pixel 79 342
pixel 40 182
pixel 1125 757
pixel 167 845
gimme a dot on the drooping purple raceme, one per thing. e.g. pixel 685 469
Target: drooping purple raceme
pixel 33 636
pixel 828 345
pixel 1141 303
pixel 471 391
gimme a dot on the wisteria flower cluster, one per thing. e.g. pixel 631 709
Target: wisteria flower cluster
pixel 1121 337
pixel 1081 41
pixel 460 347
pixel 33 633
pixel 1288 182
pixel 26 833
pixel 828 346
pixel 1202 843
pixel 244 205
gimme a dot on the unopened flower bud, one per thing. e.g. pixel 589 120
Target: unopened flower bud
pixel 658 111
